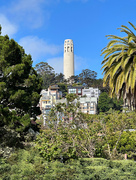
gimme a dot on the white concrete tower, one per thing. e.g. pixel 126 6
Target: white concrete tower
pixel 68 58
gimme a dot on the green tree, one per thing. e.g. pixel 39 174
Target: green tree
pixel 119 66
pixel 116 139
pixel 69 111
pixel 19 84
pixel 118 104
pixel 87 77
pixel 47 73
pixel 73 79
pixel 71 97
pixel 63 88
pixel 98 83
pixel 59 78
pixel 105 103
pixel 66 138
pixel 43 67
pixel 127 143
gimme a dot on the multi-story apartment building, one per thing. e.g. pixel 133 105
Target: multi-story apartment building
pixel 54 91
pixel 46 102
pixel 48 98
pixel 91 92
pixel 88 105
pixel 88 98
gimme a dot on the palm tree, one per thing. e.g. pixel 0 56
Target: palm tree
pixel 119 66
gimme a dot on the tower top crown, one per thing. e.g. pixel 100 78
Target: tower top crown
pixel 68 41
pixel 68 46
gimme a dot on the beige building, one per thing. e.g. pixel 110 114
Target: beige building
pixel 46 102
pixel 54 91
pixel 88 105
pixel 48 98
pixel 68 58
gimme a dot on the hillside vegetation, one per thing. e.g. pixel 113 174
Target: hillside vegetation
pixel 26 165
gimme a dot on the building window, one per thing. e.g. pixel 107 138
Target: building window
pixel 72 91
pixel 87 91
pixel 48 106
pixel 79 91
pixel 47 111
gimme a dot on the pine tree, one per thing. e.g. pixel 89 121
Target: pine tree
pixel 20 85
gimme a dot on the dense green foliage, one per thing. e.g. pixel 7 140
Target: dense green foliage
pixel 19 84
pixel 25 165
pixel 105 103
pixel 65 143
pixel 87 77
pixel 63 88
pixel 108 135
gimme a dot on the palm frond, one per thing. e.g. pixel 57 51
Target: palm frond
pixel 119 64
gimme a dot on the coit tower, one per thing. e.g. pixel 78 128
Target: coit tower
pixel 68 58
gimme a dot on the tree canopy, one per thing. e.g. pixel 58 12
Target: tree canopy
pixel 20 85
pixel 46 72
pixel 106 103
pixel 48 75
pixel 87 77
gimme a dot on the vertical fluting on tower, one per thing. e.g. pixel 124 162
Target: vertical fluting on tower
pixel 68 58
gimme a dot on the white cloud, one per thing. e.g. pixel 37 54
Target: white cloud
pixel 28 5
pixel 56 63
pixel 7 26
pixel 38 47
pixel 29 12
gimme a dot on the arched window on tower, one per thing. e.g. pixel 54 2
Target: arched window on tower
pixel 68 49
pixel 71 49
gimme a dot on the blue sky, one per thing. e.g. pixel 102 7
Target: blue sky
pixel 41 26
